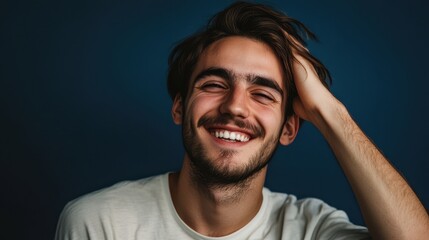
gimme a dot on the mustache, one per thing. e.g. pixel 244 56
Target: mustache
pixel 224 119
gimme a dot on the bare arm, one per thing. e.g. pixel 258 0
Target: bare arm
pixel 389 206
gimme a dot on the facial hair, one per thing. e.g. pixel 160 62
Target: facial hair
pixel 217 173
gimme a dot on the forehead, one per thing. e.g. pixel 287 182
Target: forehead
pixel 242 56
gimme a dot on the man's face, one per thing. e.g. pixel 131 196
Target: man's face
pixel 234 113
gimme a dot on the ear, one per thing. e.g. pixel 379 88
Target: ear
pixel 290 130
pixel 176 110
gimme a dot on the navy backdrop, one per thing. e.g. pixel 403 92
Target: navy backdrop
pixel 84 102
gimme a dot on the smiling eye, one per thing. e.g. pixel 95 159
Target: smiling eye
pixel 212 87
pixel 264 98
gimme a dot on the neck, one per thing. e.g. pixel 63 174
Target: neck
pixel 215 210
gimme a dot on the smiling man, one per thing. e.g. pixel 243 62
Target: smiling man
pixel 234 115
pixel 240 87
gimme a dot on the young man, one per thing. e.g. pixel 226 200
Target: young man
pixel 240 87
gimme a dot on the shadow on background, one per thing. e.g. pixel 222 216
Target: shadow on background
pixel 84 103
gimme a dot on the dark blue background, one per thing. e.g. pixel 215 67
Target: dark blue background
pixel 84 103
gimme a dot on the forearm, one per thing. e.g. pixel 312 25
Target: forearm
pixel 389 206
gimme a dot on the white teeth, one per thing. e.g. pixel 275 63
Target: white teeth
pixel 237 137
pixel 231 136
pixel 226 134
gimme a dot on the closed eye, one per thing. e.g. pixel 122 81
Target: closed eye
pixel 212 87
pixel 264 98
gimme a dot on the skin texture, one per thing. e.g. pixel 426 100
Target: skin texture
pixel 390 208
pixel 237 102
pixel 222 209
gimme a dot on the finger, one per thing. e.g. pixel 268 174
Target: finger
pixel 300 73
pixel 298 108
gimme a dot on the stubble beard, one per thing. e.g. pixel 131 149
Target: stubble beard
pixel 215 174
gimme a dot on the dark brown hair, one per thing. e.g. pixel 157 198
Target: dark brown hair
pixel 250 20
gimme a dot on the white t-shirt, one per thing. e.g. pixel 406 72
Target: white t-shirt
pixel 143 209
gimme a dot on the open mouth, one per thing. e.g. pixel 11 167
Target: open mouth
pixel 230 136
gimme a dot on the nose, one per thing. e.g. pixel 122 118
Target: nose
pixel 236 103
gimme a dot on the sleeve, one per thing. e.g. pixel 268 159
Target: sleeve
pixel 313 219
pixel 336 225
pixel 82 220
pixel 70 226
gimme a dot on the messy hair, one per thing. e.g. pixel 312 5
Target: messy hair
pixel 282 33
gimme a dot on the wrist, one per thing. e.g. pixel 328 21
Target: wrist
pixel 329 115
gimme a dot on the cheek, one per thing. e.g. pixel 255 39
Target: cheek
pixel 268 117
pixel 200 105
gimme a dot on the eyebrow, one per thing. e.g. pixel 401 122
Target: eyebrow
pixel 229 76
pixel 266 82
pixel 215 71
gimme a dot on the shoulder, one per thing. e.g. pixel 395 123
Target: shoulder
pixel 123 202
pixel 293 208
pixel 125 193
pixel 312 216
